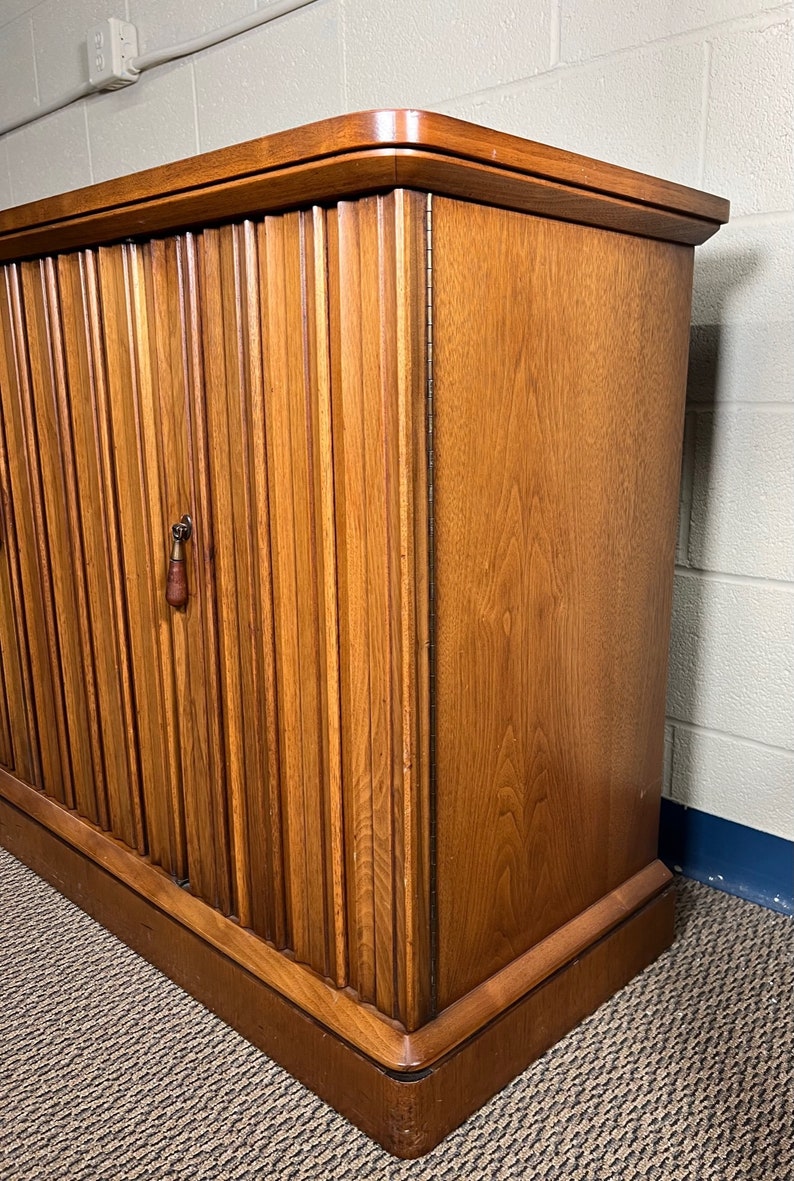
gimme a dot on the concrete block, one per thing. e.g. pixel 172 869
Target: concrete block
pixel 422 52
pixel 742 517
pixel 148 123
pixel 732 658
pixel 601 26
pixel 749 152
pixel 281 75
pixel 17 72
pixel 160 25
pixel 642 111
pixel 59 37
pixel 740 781
pixel 49 156
pixel 743 315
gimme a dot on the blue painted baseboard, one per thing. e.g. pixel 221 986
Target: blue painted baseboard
pixel 731 857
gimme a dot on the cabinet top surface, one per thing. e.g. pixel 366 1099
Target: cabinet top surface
pixel 345 156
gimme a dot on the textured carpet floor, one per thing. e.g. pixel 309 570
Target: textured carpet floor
pixel 108 1070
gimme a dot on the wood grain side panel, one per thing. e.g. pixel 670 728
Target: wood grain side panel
pixel 559 403
pixel 376 264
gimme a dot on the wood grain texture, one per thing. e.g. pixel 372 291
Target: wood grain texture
pixel 379 419
pixel 393 772
pixel 559 405
pixel 195 374
pixel 339 152
pixel 32 587
pixel 18 737
pixel 15 739
pixel 382 1038
pixel 407 1117
pixel 96 523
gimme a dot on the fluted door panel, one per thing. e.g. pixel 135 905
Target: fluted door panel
pixel 262 745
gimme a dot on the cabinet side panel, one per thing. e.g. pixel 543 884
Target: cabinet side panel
pixel 376 265
pixel 559 361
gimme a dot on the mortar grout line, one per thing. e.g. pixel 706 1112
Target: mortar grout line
pixel 194 91
pixel 697 728
pixel 88 142
pixel 704 112
pixel 556 34
pixel 734 579
pixel 757 21
pixel 728 404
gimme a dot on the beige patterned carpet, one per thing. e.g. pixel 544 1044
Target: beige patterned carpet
pixel 108 1070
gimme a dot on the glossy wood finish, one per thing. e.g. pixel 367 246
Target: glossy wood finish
pixel 392 774
pixel 367 152
pixel 408 1115
pixel 548 606
pixel 265 746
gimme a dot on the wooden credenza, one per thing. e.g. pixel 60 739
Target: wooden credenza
pixel 384 792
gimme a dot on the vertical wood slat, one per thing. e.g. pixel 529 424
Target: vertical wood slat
pixel 170 360
pixel 15 513
pixel 212 811
pixel 95 527
pixel 85 732
pixel 49 458
pixel 376 254
pixel 151 409
pixel 290 341
pixel 412 872
pixel 328 608
pixel 228 476
pixel 262 788
pixel 142 546
pixel 16 739
pixel 21 742
pixel 36 602
pixel 117 648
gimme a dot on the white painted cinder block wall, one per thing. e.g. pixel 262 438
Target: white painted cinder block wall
pixel 698 91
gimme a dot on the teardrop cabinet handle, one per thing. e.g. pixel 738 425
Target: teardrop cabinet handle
pixel 176 583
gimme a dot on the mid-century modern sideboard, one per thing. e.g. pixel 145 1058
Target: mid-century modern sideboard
pixel 339 478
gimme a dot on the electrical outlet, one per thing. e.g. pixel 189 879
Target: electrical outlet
pixel 112 45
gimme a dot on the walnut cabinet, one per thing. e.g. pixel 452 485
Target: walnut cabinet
pixel 384 791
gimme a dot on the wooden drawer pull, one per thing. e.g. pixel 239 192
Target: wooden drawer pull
pixel 176 583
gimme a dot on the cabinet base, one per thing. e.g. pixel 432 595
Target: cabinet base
pixel 407 1115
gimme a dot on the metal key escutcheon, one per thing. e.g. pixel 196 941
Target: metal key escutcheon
pixel 176 583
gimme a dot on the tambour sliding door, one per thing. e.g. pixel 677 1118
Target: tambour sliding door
pixel 262 746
